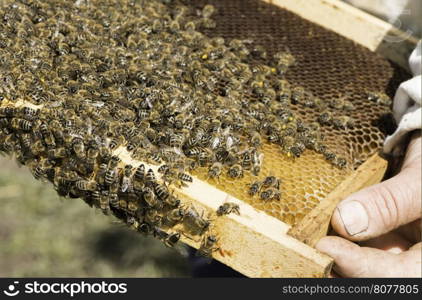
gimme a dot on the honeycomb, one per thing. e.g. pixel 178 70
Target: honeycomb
pixel 330 67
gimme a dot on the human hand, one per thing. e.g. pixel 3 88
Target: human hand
pixel 387 217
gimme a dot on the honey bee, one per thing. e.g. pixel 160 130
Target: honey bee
pixel 111 173
pixel 208 10
pixel 196 223
pixel 161 191
pixel 149 197
pixel 150 179
pixel 57 153
pixel 21 124
pixel 153 218
pixel 227 208
pixel 325 118
pixel 126 182
pixel 343 122
pixel 340 162
pixel 174 216
pixel 79 148
pixel 40 168
pixel 215 170
pixel 330 156
pixel 270 194
pixel 255 187
pixel 116 142
pixel 379 98
pixel 208 246
pixel 271 182
pixel 235 171
pixel 256 140
pixel 28 113
pixel 8 112
pixel 85 185
pixel 132 207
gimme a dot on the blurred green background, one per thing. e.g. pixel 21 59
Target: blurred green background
pixel 43 235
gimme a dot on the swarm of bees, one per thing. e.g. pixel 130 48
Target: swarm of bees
pixel 106 75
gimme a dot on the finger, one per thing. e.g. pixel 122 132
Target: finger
pixel 391 242
pixel 412 231
pixel 380 208
pixel 354 261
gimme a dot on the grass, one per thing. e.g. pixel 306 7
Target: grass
pixel 43 235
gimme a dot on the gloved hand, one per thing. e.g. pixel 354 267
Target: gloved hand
pixel 387 216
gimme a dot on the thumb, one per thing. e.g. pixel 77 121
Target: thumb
pixel 380 208
pixel 354 261
pixel 385 206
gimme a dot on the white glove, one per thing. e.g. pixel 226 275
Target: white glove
pixel 407 104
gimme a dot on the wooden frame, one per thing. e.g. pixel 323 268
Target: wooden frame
pixel 258 245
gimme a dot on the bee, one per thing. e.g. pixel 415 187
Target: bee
pixel 256 140
pixel 257 163
pixel 325 118
pixel 330 156
pixel 26 140
pixel 336 103
pixel 40 168
pixel 21 124
pixel 271 182
pixel 215 170
pixel 172 201
pixel 348 106
pixel 208 246
pixel 153 218
pixel 235 171
pixel 340 162
pixel 343 122
pixel 174 216
pixel 379 98
pixel 197 223
pixel 113 199
pixel 185 177
pixel 37 148
pixel 78 147
pixel 270 194
pixel 227 208
pixel 284 60
pixel 85 185
pixel 8 112
pixel 208 10
pixel 132 207
pixel 111 173
pixel 138 178
pixel 161 191
pixel 246 160
pixel 28 113
pixel 150 178
pixel 57 153
pixel 172 239
pixel 254 188
pixel 116 142
pixel 149 197
pixel 297 149
pixel 127 185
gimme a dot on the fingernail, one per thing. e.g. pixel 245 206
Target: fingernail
pixel 354 217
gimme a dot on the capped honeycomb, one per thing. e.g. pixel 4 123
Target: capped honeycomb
pixel 84 79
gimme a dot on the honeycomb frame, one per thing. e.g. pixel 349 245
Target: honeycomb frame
pixel 288 257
